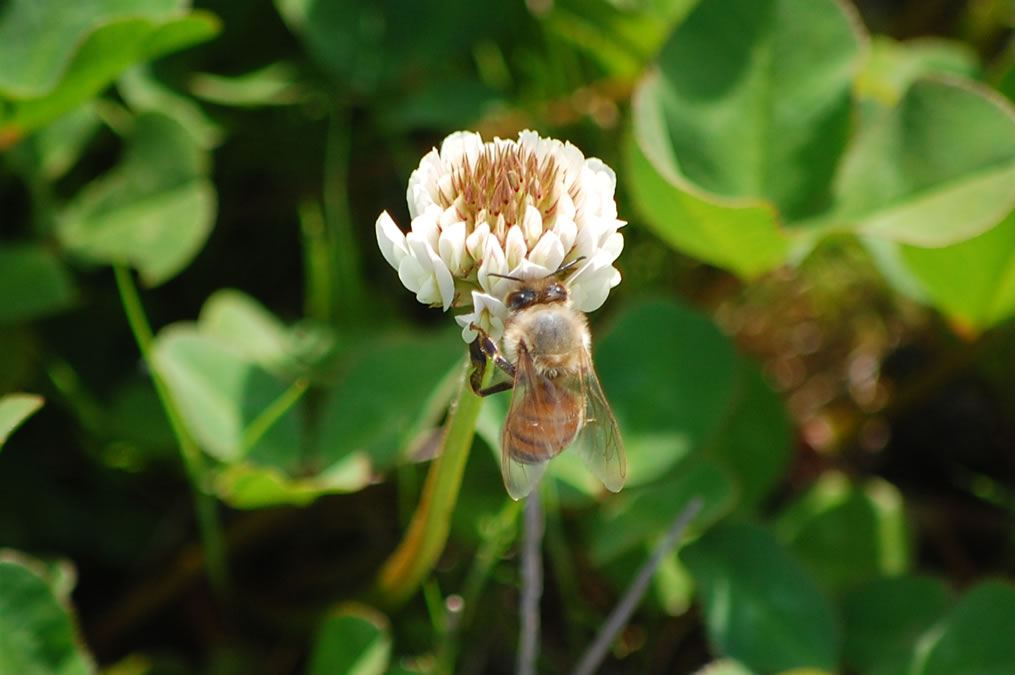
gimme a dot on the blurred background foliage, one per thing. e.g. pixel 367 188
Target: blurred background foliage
pixel 813 334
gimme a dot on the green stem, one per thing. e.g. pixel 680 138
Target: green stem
pixel 406 568
pixel 210 529
pixel 347 293
pixel 316 261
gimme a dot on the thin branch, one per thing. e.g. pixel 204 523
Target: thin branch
pixel 532 585
pixel 209 526
pixel 622 612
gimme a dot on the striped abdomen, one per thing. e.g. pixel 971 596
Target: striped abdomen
pixel 543 422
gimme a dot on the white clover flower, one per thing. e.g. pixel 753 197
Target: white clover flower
pixel 517 208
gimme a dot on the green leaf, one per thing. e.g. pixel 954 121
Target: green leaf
pixel 1006 79
pixel 37 631
pixel 90 51
pixel 367 45
pixel 846 533
pixel 154 210
pixel 33 283
pixel 52 150
pixel 244 324
pixel 972 282
pixel 38 37
pixel 220 394
pixel 622 38
pixel 760 606
pixel 274 84
pixel 755 442
pixel 639 514
pixel 884 618
pixel 973 636
pixel 893 66
pixel 674 397
pixel 376 406
pixel 15 409
pixel 910 178
pixel 744 237
pixel 741 127
pixel 353 640
pixel 140 88
pixel 755 98
pixel 250 486
pixel 724 667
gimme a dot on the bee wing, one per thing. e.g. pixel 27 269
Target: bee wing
pixel 519 478
pixel 534 425
pixel 599 442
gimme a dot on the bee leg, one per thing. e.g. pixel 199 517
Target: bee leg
pixel 478 366
pixel 494 389
pixel 482 348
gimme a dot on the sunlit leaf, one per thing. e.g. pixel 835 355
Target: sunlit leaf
pixel 38 37
pixel 274 84
pixel 145 93
pixel 744 236
pixel 220 394
pixel 241 322
pixel 33 283
pixel 970 638
pixel 354 639
pixel 847 533
pixel 251 486
pixel 739 129
pixel 884 618
pixel 892 66
pixel 15 409
pixel 761 608
pixel 910 178
pixel 972 282
pixel 65 56
pixel 755 98
pixel 154 210
pixel 622 37
pixel 376 405
pixel 724 667
pixel 37 631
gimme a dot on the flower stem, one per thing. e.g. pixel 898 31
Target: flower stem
pixel 532 585
pixel 406 568
pixel 210 529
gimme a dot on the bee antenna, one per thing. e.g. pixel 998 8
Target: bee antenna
pixel 506 276
pixel 565 267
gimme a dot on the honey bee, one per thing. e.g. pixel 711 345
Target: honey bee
pixel 557 400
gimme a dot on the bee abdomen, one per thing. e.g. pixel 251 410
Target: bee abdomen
pixel 537 433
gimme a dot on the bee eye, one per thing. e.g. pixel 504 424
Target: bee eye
pixel 522 298
pixel 555 292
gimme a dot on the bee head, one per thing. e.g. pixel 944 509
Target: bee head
pixel 544 290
